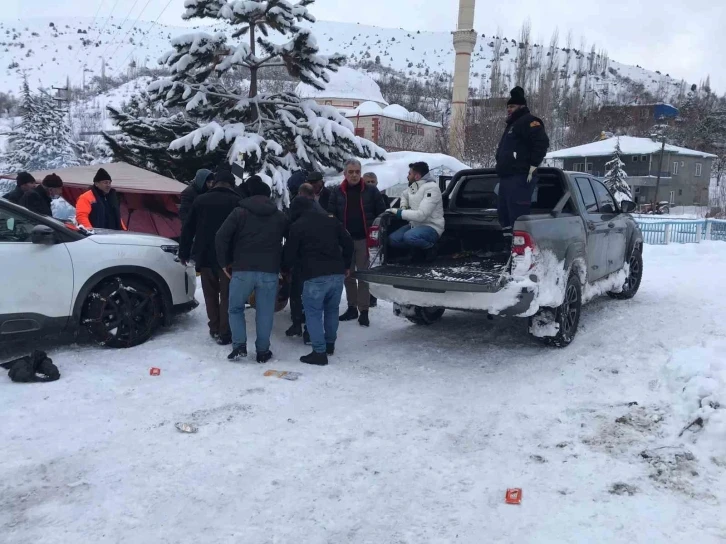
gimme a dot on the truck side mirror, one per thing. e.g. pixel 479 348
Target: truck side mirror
pixel 627 206
pixel 42 234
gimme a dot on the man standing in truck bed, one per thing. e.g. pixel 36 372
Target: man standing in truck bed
pixel 521 150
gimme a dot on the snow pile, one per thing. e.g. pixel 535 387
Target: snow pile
pixel 345 83
pixel 394 111
pixel 629 145
pixel 395 169
pixel 697 378
pixel 7 185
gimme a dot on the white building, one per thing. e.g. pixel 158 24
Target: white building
pixel 346 90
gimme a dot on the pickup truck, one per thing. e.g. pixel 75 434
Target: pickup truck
pixel 578 242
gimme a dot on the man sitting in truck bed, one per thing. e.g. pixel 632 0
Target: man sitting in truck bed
pixel 422 206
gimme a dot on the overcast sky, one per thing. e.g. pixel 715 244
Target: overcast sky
pixel 684 38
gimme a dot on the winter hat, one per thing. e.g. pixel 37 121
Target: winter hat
pixel 24 178
pixel 53 181
pixel 314 177
pixel 257 187
pixel 224 175
pixel 517 98
pixel 101 175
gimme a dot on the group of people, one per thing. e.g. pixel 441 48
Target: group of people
pixel 97 208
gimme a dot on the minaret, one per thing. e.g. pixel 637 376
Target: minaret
pixel 464 41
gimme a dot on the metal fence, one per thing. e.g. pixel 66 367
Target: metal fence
pixel 681 231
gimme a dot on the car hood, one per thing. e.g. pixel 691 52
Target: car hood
pixel 117 237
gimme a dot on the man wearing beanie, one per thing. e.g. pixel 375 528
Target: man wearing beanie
pixel 521 150
pixel 197 242
pixel 25 182
pixel 203 181
pixel 99 208
pixel 249 249
pixel 38 200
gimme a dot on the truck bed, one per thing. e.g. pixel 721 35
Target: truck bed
pixel 468 273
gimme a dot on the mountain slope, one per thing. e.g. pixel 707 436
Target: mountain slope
pixel 50 50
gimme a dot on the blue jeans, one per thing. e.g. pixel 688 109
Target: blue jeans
pixel 264 284
pixel 321 300
pixel 419 237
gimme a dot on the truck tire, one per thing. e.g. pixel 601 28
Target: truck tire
pixel 426 316
pixel 122 312
pixel 567 315
pixel 632 282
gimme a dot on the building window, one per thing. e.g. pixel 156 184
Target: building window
pixel 675 168
pixel 699 168
pixel 637 190
pixel 635 158
pixel 588 167
pixel 578 167
pixel 672 200
pixel 644 113
pixel 420 131
pixel 680 192
pixel 328 102
pixel 360 132
pixel 356 104
pixel 407 129
pixel 644 158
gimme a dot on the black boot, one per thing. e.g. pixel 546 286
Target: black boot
pixel 264 356
pixel 306 337
pixel 374 302
pixel 315 358
pixel 330 349
pixel 224 340
pixel 294 330
pixel 238 353
pixel 350 314
pixel 214 335
pixel 363 320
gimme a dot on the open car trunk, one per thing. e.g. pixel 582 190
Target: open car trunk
pixel 471 254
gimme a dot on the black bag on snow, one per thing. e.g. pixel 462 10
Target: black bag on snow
pixel 26 369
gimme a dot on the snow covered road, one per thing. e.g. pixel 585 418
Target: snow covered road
pixel 411 435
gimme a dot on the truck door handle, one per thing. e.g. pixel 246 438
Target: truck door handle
pixel 591 225
pixel 611 225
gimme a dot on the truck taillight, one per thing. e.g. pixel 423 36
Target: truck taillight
pixel 373 236
pixel 520 242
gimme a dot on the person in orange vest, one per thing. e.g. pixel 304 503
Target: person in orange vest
pixel 98 208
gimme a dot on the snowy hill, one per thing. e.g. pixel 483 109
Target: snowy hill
pixel 50 50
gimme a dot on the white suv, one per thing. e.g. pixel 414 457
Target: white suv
pixel 119 286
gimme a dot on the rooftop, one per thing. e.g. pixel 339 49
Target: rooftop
pixel 629 145
pixel 394 111
pixel 345 83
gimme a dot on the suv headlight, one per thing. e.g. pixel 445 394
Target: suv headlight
pixel 174 250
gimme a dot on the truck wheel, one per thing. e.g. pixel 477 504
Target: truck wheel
pixel 632 282
pixel 122 312
pixel 567 315
pixel 425 316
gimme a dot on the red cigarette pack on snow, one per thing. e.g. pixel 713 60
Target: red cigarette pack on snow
pixel 513 496
pixel 154 371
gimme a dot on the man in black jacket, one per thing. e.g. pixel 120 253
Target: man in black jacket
pixel 356 205
pixel 207 215
pixel 38 200
pixel 25 182
pixel 249 249
pixel 202 182
pixel 321 250
pixel 322 193
pixel 521 150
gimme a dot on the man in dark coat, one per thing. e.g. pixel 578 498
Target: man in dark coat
pixel 203 181
pixel 249 248
pixel 207 215
pixel 321 195
pixel 321 251
pixel 25 182
pixel 294 182
pixel 99 207
pixel 38 200
pixel 521 150
pixel 356 205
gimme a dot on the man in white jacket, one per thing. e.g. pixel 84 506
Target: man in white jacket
pixel 422 207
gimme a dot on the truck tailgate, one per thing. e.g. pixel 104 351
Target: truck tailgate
pixel 474 274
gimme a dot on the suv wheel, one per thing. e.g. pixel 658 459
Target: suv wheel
pixel 566 316
pixel 635 275
pixel 122 312
pixel 425 316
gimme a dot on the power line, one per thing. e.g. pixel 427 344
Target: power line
pixel 105 24
pixel 148 30
pixel 119 29
pixel 130 29
pixel 80 49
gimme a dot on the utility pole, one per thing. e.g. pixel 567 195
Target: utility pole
pixel 464 42
pixel 67 98
pixel 657 180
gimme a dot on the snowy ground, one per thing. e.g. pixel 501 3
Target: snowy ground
pixel 411 435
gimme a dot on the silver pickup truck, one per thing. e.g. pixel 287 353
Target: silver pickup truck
pixel 576 244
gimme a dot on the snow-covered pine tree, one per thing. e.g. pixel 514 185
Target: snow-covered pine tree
pixel 616 177
pixel 146 132
pixel 43 140
pixel 270 134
